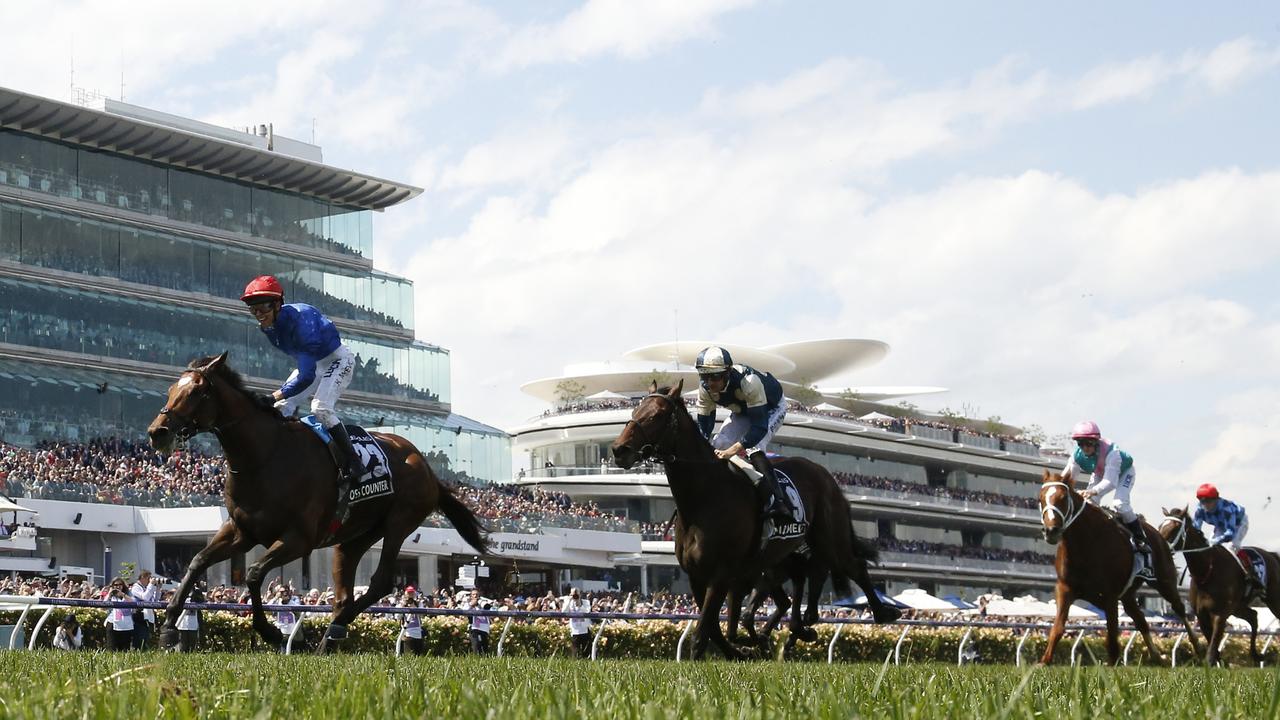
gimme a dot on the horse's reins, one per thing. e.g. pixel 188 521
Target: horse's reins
pixel 1071 505
pixel 190 426
pixel 1181 539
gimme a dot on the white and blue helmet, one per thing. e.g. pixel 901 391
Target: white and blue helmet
pixel 713 361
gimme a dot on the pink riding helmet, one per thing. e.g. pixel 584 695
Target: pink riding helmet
pixel 1086 429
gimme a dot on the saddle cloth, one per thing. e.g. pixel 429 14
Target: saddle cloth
pixel 1259 564
pixel 1142 564
pixel 375 482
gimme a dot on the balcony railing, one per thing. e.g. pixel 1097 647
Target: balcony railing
pixel 1006 566
pixel 942 502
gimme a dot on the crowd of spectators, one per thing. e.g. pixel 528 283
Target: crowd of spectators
pixel 951 493
pixel 957 552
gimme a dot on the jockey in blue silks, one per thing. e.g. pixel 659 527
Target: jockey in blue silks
pixel 1230 524
pixel 325 364
pixel 756 409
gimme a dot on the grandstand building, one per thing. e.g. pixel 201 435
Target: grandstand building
pixel 126 237
pixel 951 504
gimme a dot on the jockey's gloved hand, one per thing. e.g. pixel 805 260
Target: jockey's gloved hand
pixel 265 401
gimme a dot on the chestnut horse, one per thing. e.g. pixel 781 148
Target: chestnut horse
pixel 717 528
pixel 281 492
pixel 1217 582
pixel 1095 563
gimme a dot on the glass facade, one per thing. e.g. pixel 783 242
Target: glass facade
pixel 66 241
pixel 42 165
pixel 112 326
pixel 44 403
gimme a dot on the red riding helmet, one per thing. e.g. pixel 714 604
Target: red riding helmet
pixel 1207 492
pixel 263 287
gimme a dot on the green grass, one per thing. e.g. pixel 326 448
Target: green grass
pixel 98 685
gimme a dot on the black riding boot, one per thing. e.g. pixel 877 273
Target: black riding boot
pixel 1139 535
pixel 768 487
pixel 351 469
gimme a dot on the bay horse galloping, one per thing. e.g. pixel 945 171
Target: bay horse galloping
pixel 717 528
pixel 1095 563
pixel 1218 582
pixel 281 493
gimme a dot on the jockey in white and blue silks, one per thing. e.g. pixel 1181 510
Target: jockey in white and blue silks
pixel 1230 524
pixel 325 364
pixel 756 409
pixel 1110 470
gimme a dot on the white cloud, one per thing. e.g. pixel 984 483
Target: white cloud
pixel 613 27
pixel 1121 81
pixel 1231 62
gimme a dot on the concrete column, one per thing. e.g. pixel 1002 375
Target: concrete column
pixel 644 579
pixel 428 572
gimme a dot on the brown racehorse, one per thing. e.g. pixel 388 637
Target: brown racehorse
pixel 281 492
pixel 1217 582
pixel 717 528
pixel 1095 563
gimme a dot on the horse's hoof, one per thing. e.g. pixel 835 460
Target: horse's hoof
pixel 169 638
pixel 887 614
pixel 806 634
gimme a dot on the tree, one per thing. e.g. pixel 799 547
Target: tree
pixel 569 391
pixel 994 425
pixel 805 394
pixel 909 409
pixel 1035 435
pixel 659 378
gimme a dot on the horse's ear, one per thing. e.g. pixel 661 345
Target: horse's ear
pixel 217 362
pixel 653 386
pixel 1164 510
pixel 1047 476
pixel 678 389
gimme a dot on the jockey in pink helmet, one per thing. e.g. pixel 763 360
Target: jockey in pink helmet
pixel 1109 469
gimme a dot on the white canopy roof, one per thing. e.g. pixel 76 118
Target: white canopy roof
pixel 7 505
pixel 918 599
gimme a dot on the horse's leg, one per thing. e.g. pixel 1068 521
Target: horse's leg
pixel 381 583
pixel 1167 586
pixel 709 624
pixel 345 559
pixel 796 631
pixel 817 579
pixel 1250 616
pixel 225 543
pixel 288 548
pixel 734 600
pixel 1219 631
pixel 1131 606
pixel 1064 598
pixel 1205 618
pixel 881 612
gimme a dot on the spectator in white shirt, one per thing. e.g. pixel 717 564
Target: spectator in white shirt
pixel 479 623
pixel 411 623
pixel 68 635
pixel 146 589
pixel 189 623
pixel 579 627
pixel 120 620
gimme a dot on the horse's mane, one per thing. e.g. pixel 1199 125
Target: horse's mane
pixel 226 373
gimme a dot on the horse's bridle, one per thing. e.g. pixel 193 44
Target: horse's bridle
pixel 1072 512
pixel 1181 537
pixel 651 449
pixel 190 426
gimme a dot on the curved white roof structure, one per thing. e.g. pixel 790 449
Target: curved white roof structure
pixel 809 363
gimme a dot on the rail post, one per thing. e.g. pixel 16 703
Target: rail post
pixel 600 630
pixel 13 639
pixel 288 646
pixel 39 624
pixel 1266 644
pixel 1133 635
pixel 1173 656
pixel 964 640
pixel 503 637
pixel 1075 646
pixel 1017 655
pixel 680 645
pixel 897 648
pixel 831 646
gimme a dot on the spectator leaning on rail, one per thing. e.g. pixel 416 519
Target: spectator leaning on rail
pixel 305 334
pixel 1109 469
pixel 756 410
pixel 146 589
pixel 1230 524
pixel 579 627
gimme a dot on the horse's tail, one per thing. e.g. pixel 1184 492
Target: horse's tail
pixel 463 520
pixel 863 548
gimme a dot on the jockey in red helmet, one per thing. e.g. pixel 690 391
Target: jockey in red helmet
pixel 1230 524
pixel 1109 469
pixel 305 334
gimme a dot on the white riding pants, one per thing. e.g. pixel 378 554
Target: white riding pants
pixel 1119 500
pixel 738 424
pixel 333 375
pixel 1237 539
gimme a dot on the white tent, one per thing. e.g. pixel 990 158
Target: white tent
pixel 877 416
pixel 7 505
pixel 918 599
pixel 607 395
pixel 828 407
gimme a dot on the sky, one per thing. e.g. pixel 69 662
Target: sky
pixel 1059 213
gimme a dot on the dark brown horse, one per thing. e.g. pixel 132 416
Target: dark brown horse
pixel 1095 563
pixel 1218 583
pixel 281 493
pixel 717 528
